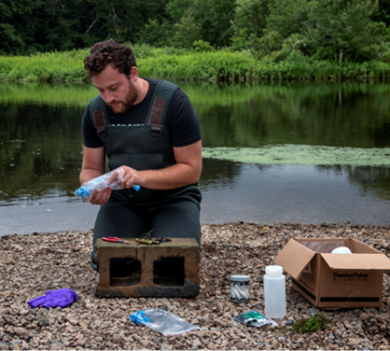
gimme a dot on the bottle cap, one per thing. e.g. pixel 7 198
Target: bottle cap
pixel 342 249
pixel 239 278
pixel 274 270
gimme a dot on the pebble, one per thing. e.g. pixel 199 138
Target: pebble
pixel 20 331
pixel 61 260
pixel 44 322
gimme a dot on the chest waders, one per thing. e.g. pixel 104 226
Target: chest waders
pixel 142 147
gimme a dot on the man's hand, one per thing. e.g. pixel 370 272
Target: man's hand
pixel 100 197
pixel 131 177
pixel 93 166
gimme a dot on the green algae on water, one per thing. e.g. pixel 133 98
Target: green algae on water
pixel 289 154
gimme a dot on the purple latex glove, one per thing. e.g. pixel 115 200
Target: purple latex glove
pixel 54 298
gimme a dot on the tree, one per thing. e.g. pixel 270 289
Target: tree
pixel 19 24
pixel 178 28
pixel 48 25
pixel 78 23
pixel 287 17
pixel 192 20
pixel 214 18
pixel 249 22
pixel 186 31
pixel 383 13
pixel 341 27
pixel 156 33
pixel 176 9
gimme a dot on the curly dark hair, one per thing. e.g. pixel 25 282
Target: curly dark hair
pixel 109 52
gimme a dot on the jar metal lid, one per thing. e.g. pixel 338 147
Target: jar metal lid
pixel 239 278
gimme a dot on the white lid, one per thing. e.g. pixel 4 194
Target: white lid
pixel 341 249
pixel 240 278
pixel 274 270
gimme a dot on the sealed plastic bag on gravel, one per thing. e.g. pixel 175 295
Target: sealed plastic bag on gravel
pixel 166 323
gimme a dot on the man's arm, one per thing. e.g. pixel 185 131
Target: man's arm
pixel 186 171
pixel 93 163
pixel 94 166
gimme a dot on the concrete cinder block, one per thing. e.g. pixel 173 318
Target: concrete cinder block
pixel 141 270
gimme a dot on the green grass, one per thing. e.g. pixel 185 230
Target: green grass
pixel 179 64
pixel 46 67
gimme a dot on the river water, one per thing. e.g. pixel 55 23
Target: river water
pixel 318 153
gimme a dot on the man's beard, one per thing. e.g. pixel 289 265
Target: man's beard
pixel 129 100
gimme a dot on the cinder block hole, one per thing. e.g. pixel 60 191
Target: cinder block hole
pixel 169 271
pixel 125 271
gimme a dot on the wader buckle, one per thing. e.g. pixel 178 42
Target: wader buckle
pixel 155 130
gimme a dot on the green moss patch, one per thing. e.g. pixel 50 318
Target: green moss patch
pixel 310 325
pixel 302 155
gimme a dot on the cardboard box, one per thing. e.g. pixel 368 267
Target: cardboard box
pixel 333 281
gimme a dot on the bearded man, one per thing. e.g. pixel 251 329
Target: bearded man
pixel 149 128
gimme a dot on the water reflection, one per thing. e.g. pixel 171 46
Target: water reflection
pixel 39 151
pixel 371 181
pixel 40 154
pixel 313 114
pixel 295 194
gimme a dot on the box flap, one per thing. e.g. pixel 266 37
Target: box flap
pixel 294 257
pixel 357 261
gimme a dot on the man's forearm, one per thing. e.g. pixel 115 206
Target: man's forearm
pixel 87 174
pixel 172 177
pixel 186 171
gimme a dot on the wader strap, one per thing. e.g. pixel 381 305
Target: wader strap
pixel 157 111
pixel 99 114
pixel 99 120
pixel 161 97
pixel 156 114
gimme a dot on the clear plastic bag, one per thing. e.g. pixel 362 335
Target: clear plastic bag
pixel 167 323
pixel 100 183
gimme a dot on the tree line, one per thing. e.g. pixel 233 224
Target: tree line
pixel 269 30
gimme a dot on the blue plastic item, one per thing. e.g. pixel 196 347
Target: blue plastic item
pixel 139 317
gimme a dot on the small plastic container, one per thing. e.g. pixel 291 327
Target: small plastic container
pixel 341 250
pixel 239 288
pixel 274 292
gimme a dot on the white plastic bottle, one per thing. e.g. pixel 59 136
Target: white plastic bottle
pixel 274 292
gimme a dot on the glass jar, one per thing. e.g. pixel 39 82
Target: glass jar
pixel 239 288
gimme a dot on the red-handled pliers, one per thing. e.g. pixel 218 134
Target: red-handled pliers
pixel 115 240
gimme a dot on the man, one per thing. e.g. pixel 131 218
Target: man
pixel 149 128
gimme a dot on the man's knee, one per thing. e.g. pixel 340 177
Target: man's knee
pixel 181 220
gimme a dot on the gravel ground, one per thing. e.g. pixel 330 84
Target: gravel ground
pixel 32 264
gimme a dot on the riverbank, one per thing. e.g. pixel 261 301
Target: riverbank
pixel 176 64
pixel 32 264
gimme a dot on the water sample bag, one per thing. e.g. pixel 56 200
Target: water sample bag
pixel 166 323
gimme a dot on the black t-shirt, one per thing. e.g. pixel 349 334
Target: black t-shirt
pixel 181 119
